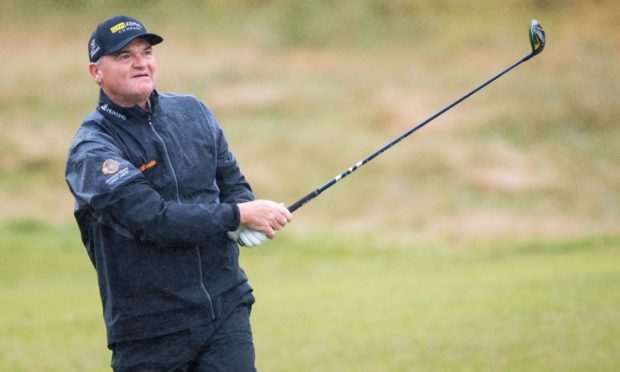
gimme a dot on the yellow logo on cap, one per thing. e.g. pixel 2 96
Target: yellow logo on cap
pixel 118 27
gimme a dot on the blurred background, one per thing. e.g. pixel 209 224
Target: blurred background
pixel 487 240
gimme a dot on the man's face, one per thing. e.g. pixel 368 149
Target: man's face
pixel 127 76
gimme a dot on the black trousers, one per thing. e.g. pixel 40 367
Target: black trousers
pixel 225 345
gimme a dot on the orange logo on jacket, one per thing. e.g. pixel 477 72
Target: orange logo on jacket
pixel 148 165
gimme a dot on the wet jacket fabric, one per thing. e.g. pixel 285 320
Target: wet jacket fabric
pixel 155 194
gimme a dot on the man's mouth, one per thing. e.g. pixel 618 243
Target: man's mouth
pixel 140 75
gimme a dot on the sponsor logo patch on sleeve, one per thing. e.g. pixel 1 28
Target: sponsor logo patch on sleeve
pixel 112 170
pixel 110 166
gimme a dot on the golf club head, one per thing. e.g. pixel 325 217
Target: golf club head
pixel 537 37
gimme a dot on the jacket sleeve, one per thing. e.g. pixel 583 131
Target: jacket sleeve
pixel 101 179
pixel 232 183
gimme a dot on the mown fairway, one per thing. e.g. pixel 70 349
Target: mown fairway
pixel 487 241
pixel 345 306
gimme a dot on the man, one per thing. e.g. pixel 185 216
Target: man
pixel 160 203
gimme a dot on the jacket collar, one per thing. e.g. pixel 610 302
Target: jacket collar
pixel 118 113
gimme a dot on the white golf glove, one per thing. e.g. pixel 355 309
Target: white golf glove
pixel 247 237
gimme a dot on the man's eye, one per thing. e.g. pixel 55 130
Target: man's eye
pixel 124 57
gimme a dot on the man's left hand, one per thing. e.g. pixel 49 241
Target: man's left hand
pixel 247 237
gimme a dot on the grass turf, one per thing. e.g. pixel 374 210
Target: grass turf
pixel 327 305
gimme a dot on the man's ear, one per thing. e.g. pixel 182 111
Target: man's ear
pixel 95 72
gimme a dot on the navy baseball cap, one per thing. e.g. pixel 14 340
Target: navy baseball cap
pixel 115 33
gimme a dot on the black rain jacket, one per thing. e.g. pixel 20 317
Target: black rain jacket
pixel 155 194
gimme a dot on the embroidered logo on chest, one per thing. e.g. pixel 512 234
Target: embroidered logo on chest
pixel 148 165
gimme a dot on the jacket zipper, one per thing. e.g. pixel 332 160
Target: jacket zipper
pixel 176 185
pixel 174 174
pixel 202 284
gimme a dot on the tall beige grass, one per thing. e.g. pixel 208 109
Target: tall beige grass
pixel 303 92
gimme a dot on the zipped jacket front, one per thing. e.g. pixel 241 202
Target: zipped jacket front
pixel 155 194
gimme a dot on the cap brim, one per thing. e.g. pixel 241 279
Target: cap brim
pixel 153 39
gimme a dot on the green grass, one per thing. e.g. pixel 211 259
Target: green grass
pixel 51 315
pixel 332 305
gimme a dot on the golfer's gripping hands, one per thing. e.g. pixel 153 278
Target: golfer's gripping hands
pixel 259 220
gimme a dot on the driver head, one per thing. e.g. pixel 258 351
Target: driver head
pixel 537 37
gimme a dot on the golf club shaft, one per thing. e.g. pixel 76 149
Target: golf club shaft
pixel 301 202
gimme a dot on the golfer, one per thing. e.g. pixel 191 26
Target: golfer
pixel 161 204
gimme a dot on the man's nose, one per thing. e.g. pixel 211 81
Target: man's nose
pixel 139 60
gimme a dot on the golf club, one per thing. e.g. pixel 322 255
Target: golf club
pixel 537 41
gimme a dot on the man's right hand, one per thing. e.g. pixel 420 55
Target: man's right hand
pixel 264 215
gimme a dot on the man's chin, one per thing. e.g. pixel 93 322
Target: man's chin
pixel 145 89
pixel 143 93
pixel 138 95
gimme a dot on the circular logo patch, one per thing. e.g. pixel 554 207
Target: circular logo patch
pixel 110 166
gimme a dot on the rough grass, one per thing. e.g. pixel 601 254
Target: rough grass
pixel 301 100
pixel 338 305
